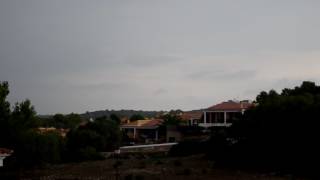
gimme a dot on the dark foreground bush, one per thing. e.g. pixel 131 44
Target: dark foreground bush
pixel 187 148
pixel 279 134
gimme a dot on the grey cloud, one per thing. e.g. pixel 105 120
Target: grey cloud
pixel 102 86
pixel 86 55
pixel 222 75
pixel 160 91
pixel 149 60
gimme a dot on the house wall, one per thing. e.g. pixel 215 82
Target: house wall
pixel 173 136
pixel 219 118
pixel 1 160
pixel 142 135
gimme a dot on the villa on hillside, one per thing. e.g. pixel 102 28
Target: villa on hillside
pixel 143 131
pixel 224 114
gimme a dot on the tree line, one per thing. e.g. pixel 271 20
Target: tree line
pixel 19 131
pixel 279 133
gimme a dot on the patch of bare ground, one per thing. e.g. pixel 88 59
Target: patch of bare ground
pixel 143 168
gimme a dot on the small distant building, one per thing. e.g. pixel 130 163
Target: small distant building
pixel 3 154
pixel 144 131
pixel 62 132
pixel 224 114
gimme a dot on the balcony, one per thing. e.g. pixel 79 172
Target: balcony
pixel 206 125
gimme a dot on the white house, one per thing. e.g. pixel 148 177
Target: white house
pixel 3 154
pixel 223 114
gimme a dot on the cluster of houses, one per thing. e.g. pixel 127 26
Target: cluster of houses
pixel 62 132
pixel 219 115
pixel 149 131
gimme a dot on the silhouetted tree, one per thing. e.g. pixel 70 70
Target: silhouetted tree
pixel 18 132
pixel 171 119
pixel 136 117
pixel 115 118
pixel 4 114
pixel 68 121
pixel 100 135
pixel 280 132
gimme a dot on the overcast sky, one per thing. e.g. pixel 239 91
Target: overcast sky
pixel 76 56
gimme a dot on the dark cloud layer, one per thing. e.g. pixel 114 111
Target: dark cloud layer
pixel 74 56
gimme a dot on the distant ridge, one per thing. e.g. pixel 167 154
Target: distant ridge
pixel 121 113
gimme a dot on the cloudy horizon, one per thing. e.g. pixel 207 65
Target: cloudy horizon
pixel 78 56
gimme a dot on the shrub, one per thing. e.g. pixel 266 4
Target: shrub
pixel 128 177
pixel 186 148
pixel 89 153
pixel 142 165
pixel 139 177
pixel 117 164
pixel 187 171
pixel 177 163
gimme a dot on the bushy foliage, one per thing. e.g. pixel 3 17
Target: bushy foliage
pixel 115 118
pixel 37 149
pixel 5 114
pixel 280 132
pixel 136 117
pixel 68 121
pixel 186 148
pixel 97 136
pixel 18 131
pixel 171 119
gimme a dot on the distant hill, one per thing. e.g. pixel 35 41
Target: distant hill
pixel 121 113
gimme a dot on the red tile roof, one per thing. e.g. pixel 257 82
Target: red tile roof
pixel 5 151
pixel 191 115
pixel 62 132
pixel 153 122
pixel 231 106
pixel 149 123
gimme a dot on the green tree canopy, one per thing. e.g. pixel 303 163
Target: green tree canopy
pixel 97 136
pixel 171 119
pixel 115 118
pixel 281 132
pixel 24 116
pixel 4 114
pixel 18 132
pixel 68 121
pixel 136 117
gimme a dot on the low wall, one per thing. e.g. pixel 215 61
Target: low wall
pixel 147 148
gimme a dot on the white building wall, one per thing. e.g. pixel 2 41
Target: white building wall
pixel 1 160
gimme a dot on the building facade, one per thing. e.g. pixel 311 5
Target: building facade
pixel 3 154
pixel 142 131
pixel 224 114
